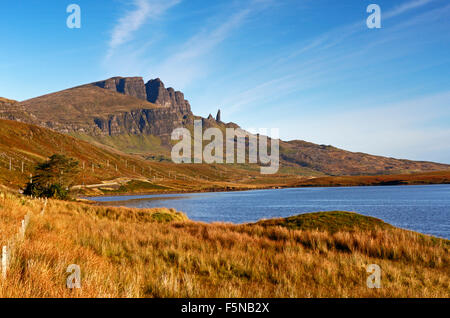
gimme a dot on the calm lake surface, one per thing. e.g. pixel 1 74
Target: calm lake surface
pixel 424 209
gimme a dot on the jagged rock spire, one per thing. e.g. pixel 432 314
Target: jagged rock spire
pixel 218 116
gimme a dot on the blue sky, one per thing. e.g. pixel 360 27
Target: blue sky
pixel 311 68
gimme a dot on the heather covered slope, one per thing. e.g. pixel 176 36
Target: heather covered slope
pixel 13 110
pixel 26 144
pixel 81 109
pixel 79 104
pixel 334 161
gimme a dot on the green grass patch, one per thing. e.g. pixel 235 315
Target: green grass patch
pixel 332 222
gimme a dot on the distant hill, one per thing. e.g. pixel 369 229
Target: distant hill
pixel 334 161
pixel 136 117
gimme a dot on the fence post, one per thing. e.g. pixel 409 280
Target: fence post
pixel 4 261
pixel 45 205
pixel 22 230
pixel 27 220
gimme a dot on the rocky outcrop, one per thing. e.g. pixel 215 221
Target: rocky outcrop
pixel 132 86
pixel 153 91
pixel 218 119
pixel 174 112
pixel 159 122
pixel 13 110
pixel 159 95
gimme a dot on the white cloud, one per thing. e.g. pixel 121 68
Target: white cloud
pixel 133 20
pixel 189 59
pixel 186 63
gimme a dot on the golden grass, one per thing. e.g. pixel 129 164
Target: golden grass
pixel 159 253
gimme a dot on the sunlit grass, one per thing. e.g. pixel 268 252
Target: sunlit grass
pixel 159 253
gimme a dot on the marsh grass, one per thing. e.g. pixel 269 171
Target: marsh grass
pixel 159 253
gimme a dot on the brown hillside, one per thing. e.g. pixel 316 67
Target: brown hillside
pixel 30 144
pixel 335 161
pixel 115 113
pixel 78 107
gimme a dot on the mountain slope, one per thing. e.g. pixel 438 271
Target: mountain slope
pixel 137 117
pixel 13 110
pixel 22 146
pixel 335 161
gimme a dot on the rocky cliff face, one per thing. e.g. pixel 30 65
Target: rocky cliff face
pixel 153 91
pixel 132 86
pixel 174 112
pixel 159 122
pixel 159 95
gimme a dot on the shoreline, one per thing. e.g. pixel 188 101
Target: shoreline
pixel 145 201
pixel 86 197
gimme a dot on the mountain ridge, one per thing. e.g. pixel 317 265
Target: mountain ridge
pixel 125 108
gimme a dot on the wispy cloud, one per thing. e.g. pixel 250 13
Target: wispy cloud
pixel 133 20
pixel 317 61
pixel 186 60
pixel 339 34
pixel 190 55
pixel 406 7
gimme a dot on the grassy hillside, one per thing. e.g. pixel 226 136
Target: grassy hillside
pixel 81 104
pixel 148 146
pixel 29 144
pixel 336 162
pixel 26 144
pixel 159 253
